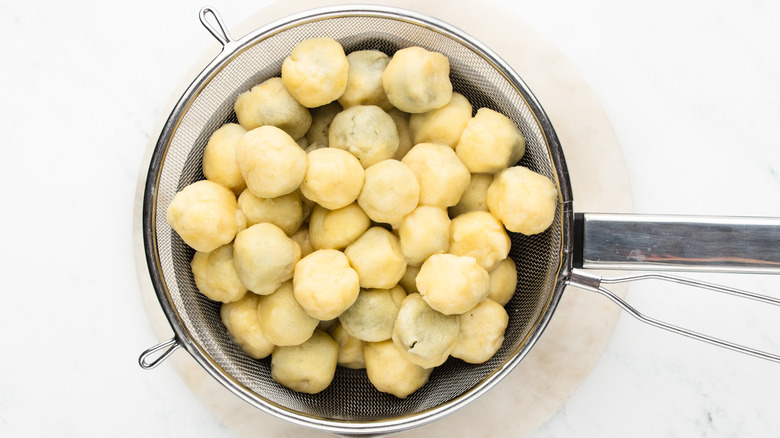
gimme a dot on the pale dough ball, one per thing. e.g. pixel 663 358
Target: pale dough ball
pixel 307 205
pixel 283 320
pixel 481 332
pixel 417 80
pixel 302 238
pixel 475 196
pixel 335 229
pixel 480 235
pixel 325 284
pixel 371 317
pixel 424 336
pixel 525 201
pixel 442 176
pixel 269 103
pixel 205 215
pixel 264 257
pixel 442 125
pixel 286 211
pixel 503 281
pixel 391 372
pixel 219 157
pixel 424 232
pixel 308 367
pixel 215 274
pixel 452 284
pixel 364 84
pixel 271 162
pixel 405 140
pixel 333 179
pixel 365 131
pixel 490 142
pixel 321 118
pixel 409 279
pixel 350 347
pixel 377 258
pixel 326 325
pixel 241 321
pixel 316 71
pixel 390 192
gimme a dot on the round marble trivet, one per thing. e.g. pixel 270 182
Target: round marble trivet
pixel 583 322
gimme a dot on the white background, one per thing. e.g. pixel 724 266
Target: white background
pixel 692 89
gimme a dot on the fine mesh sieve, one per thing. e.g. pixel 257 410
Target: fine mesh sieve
pixel 545 262
pixel 351 404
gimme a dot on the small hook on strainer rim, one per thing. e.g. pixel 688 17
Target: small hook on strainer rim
pixel 218 29
pixel 166 348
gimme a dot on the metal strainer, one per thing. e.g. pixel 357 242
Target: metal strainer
pixel 351 405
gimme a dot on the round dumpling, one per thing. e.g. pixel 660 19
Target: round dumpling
pixel 283 320
pixel 269 103
pixel 480 235
pixel 215 274
pixel 442 176
pixel 350 347
pixel 241 321
pixel 525 201
pixel 219 157
pixel 503 281
pixel 405 140
pixel 424 232
pixel 334 178
pixel 271 162
pixel 336 229
pixel 365 131
pixel 307 205
pixel 491 142
pixel 417 80
pixel 442 125
pixel 364 84
pixel 391 372
pixel 286 211
pixel 377 258
pixel 452 284
pixel 321 118
pixel 308 367
pixel 481 332
pixel 302 238
pixel 325 284
pixel 409 280
pixel 316 72
pixel 390 192
pixel 205 215
pixel 264 257
pixel 371 317
pixel 424 336
pixel 475 196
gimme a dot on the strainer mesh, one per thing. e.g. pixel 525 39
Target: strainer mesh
pixel 351 396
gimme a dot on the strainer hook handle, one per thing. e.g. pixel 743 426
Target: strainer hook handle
pixel 592 282
pixel 150 358
pixel 218 30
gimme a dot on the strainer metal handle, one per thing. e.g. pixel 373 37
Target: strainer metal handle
pixel 685 243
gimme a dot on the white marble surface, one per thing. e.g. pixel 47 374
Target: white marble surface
pixel 691 91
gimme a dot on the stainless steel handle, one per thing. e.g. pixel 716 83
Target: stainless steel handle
pixel 677 243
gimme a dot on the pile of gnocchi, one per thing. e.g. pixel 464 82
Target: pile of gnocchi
pixel 356 215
